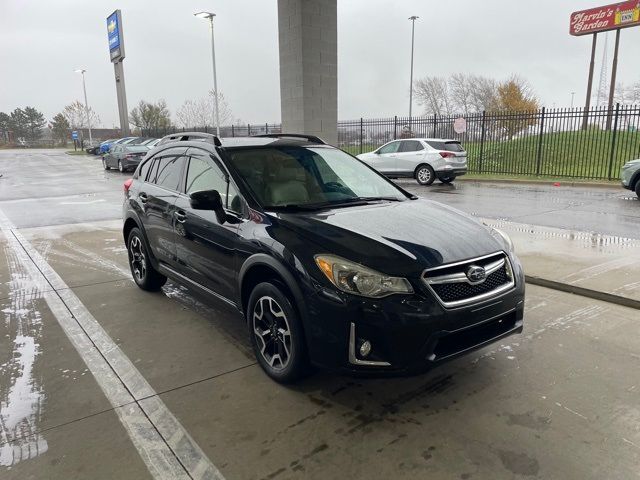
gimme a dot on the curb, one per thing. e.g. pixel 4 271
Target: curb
pixel 583 292
pixel 540 182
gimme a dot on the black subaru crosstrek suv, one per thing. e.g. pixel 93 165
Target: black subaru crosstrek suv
pixel 330 263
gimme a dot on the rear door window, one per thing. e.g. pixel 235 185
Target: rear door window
pixel 144 169
pixel 410 146
pixel 166 171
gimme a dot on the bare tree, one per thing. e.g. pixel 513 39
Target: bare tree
pixel 76 115
pixel 201 112
pixel 433 94
pixel 460 93
pixel 627 94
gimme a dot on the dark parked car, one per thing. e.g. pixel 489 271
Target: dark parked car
pixel 330 263
pixel 92 148
pixel 124 157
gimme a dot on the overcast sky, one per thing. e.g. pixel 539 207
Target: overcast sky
pixel 42 42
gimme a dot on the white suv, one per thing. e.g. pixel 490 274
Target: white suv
pixel 424 159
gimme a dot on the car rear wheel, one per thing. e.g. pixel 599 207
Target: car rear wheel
pixel 104 164
pixel 638 189
pixel 145 276
pixel 448 179
pixel 120 166
pixel 425 175
pixel 276 333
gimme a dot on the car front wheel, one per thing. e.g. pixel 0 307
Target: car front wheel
pixel 145 276
pixel 425 175
pixel 638 189
pixel 276 333
pixel 120 166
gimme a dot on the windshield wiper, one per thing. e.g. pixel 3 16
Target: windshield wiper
pixel 345 202
pixel 373 199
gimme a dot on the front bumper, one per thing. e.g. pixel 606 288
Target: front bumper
pixel 626 174
pixel 408 333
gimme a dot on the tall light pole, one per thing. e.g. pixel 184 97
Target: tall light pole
pixel 86 104
pixel 209 16
pixel 572 95
pixel 413 19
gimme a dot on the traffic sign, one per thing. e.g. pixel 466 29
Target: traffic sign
pixel 74 135
pixel 460 125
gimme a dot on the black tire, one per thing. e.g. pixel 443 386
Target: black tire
pixel 425 175
pixel 448 179
pixel 104 164
pixel 145 276
pixel 282 323
pixel 638 188
pixel 120 167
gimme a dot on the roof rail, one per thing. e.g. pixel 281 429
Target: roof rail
pixel 190 136
pixel 310 138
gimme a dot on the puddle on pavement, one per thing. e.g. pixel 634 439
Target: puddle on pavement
pixel 582 239
pixel 22 398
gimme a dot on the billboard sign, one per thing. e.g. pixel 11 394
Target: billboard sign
pixel 609 17
pixel 114 34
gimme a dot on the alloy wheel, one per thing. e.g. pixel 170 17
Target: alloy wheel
pixel 137 259
pixel 120 167
pixel 424 175
pixel 272 332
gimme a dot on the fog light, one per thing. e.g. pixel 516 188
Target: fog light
pixel 365 348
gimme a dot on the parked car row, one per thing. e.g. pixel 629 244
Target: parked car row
pixel 100 148
pixel 122 153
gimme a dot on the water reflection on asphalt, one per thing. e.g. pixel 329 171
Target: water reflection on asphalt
pixel 23 397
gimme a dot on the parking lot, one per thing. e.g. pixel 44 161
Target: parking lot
pixel 99 379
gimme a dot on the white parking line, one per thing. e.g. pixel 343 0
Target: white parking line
pixel 164 445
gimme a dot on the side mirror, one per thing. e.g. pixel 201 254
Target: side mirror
pixel 208 200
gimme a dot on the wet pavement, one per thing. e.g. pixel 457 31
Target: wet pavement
pixel 558 401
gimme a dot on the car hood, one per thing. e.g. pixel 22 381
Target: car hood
pixel 397 238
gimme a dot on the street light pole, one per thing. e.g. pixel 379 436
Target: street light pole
pixel 413 19
pixel 209 16
pixel 86 104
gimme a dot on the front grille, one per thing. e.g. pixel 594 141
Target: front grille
pixel 453 288
pixel 451 292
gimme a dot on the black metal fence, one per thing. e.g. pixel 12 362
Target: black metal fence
pixel 562 142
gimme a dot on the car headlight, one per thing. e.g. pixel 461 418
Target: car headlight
pixel 357 279
pixel 504 238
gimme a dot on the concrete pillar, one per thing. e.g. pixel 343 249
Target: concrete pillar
pixel 308 39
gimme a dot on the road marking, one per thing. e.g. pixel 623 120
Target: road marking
pixel 164 445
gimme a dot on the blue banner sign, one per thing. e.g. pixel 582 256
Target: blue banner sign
pixel 74 135
pixel 113 30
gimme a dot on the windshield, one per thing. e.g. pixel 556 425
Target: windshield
pixel 317 176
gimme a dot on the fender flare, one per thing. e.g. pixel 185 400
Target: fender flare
pixel 132 215
pixel 290 282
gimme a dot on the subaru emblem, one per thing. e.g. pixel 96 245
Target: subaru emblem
pixel 476 274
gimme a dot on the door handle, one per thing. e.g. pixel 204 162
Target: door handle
pixel 180 216
pixel 143 197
